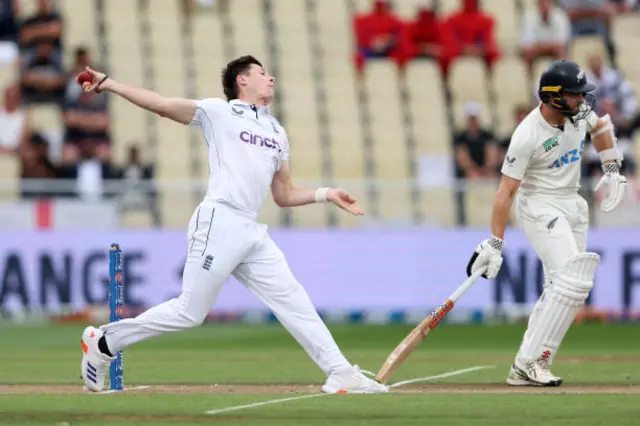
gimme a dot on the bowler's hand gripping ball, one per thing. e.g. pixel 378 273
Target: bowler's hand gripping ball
pixel 84 77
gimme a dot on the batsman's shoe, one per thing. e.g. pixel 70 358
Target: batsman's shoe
pixel 534 374
pixel 95 364
pixel 352 380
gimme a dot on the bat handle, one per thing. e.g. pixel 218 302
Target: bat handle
pixel 468 283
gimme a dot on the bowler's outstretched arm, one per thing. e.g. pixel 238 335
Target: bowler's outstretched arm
pixel 177 109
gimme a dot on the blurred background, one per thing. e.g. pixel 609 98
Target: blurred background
pixel 407 104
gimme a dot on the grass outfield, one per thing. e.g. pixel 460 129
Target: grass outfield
pixel 220 368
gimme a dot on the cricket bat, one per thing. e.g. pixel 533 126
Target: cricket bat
pixel 413 339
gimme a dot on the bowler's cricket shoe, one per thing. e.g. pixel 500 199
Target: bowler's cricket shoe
pixel 534 374
pixel 95 364
pixel 352 380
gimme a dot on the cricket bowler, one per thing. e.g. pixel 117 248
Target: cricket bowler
pixel 542 166
pixel 248 152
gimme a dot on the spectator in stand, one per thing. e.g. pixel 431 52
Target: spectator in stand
pixel 82 59
pixel 545 33
pixel 35 165
pixel 86 115
pixel 90 173
pixel 13 122
pixel 86 120
pixel 611 85
pixel 592 18
pixel 42 77
pixel 519 114
pixel 470 32
pixel 138 189
pixel 625 6
pixel 8 30
pixel 426 33
pixel 380 34
pixel 475 148
pixel 45 26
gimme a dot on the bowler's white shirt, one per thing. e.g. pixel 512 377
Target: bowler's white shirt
pixel 544 158
pixel 246 146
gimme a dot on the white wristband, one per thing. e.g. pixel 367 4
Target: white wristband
pixel 609 154
pixel 321 195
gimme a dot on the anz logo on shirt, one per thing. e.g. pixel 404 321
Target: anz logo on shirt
pixel 570 157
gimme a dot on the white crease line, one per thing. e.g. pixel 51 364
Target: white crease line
pixel 124 390
pixel 315 395
pixel 441 376
pixel 260 404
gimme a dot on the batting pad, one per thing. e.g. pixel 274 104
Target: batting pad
pixel 534 318
pixel 564 298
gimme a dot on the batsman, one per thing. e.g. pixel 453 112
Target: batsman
pixel 542 167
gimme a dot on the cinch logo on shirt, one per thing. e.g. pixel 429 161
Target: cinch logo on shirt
pixel 570 157
pixel 254 139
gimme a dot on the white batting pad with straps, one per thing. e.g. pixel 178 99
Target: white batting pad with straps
pixel 534 318
pixel 564 298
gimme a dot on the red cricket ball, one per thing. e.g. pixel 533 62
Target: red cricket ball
pixel 84 77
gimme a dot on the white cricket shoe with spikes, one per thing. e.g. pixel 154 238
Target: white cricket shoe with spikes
pixel 95 364
pixel 352 380
pixel 536 373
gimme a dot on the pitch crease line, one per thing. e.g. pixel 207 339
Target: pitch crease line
pixel 442 376
pixel 134 388
pixel 316 395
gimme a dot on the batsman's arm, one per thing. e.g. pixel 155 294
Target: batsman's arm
pixel 602 135
pixel 514 167
pixel 502 205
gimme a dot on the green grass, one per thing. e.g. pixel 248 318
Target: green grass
pixel 596 356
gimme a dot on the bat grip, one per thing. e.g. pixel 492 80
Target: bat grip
pixel 468 283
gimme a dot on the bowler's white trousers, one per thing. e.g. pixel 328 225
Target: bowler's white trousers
pixel 223 241
pixel 557 227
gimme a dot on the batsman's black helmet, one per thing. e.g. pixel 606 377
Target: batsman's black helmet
pixel 566 77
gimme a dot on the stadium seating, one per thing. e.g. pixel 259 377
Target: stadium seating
pixel 342 130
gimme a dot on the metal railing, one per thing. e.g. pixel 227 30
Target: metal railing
pixel 450 204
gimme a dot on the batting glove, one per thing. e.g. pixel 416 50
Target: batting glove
pixel 488 254
pixel 616 184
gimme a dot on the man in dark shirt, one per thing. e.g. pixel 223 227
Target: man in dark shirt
pixel 8 24
pixel 138 188
pixel 35 167
pixel 475 148
pixel 86 120
pixel 42 76
pixel 45 26
pixel 476 156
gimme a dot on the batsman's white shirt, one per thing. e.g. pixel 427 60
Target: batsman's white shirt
pixel 246 146
pixel 545 158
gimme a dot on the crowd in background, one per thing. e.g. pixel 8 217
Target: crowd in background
pixel 82 152
pixel 79 151
pixel 546 32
